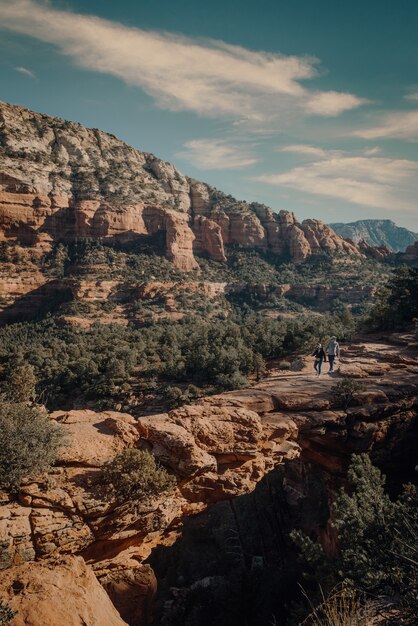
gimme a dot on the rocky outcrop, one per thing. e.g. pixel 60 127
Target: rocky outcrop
pixel 216 452
pixel 61 181
pixel 219 449
pixel 179 242
pixel 257 226
pixel 380 253
pixel 51 593
pixel 321 296
pixel 209 238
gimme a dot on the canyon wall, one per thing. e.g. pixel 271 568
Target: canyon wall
pixel 62 181
pixel 250 465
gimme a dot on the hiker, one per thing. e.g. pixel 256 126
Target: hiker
pixel 333 351
pixel 320 357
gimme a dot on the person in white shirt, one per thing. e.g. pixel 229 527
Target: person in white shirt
pixel 333 351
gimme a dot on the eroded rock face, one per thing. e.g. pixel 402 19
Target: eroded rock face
pixel 61 181
pixel 219 449
pixel 50 593
pixel 380 253
pixel 209 238
pixel 131 587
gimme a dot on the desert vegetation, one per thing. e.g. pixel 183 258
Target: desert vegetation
pixel 396 303
pixel 29 443
pixel 6 613
pixel 108 363
pixel 134 475
pixel 345 390
pixel 377 543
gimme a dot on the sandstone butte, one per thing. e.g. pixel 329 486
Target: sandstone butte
pixel 60 181
pixel 69 556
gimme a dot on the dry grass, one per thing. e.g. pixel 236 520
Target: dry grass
pixel 343 607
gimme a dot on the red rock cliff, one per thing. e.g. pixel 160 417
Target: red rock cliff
pixel 60 181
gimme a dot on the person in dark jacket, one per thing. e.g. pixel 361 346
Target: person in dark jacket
pixel 320 357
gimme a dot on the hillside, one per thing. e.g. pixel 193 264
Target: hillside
pixel 162 431
pixel 86 218
pixel 377 233
pixel 61 181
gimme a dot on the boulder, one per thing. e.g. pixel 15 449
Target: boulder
pixel 93 438
pixel 54 594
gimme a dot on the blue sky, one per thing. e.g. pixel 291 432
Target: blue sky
pixel 307 106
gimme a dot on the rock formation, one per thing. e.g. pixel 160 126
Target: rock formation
pixel 380 253
pixel 51 593
pixel 219 449
pixel 61 181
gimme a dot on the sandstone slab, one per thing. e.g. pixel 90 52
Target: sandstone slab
pixel 57 594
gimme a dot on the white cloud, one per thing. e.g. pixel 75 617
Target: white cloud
pixel 321 153
pixel 25 71
pixel 375 181
pixel 304 149
pixel 395 125
pixel 332 103
pixel 210 154
pixel 207 77
pixel 412 96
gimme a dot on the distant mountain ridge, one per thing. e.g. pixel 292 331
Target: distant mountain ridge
pixel 377 233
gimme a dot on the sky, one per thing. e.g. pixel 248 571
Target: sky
pixel 309 106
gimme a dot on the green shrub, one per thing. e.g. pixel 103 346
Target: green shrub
pixel 231 381
pixel 29 443
pixel 297 365
pixel 194 392
pixel 175 396
pixel 396 304
pixel 345 390
pixel 6 613
pixel 20 384
pixel 134 475
pixel 377 539
pixel 284 365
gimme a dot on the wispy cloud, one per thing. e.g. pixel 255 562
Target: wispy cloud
pixel 211 154
pixel 412 96
pixel 368 181
pixel 303 149
pixel 395 125
pixel 332 103
pixel 317 153
pixel 25 72
pixel 207 77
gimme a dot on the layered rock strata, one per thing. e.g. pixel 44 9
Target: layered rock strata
pixel 61 181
